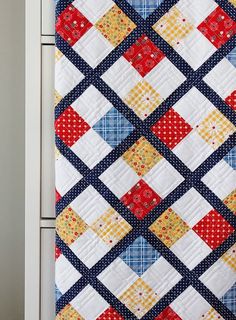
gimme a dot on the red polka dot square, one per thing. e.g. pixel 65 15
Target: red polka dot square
pixel 144 55
pixel 71 25
pixel 218 27
pixel 141 199
pixel 231 100
pixel 110 314
pixel 171 128
pixel 168 314
pixel 213 229
pixel 70 126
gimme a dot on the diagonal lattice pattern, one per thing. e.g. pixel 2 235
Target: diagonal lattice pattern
pixel 95 160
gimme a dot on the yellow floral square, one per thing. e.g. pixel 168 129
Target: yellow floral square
pixel 169 227
pixel 143 99
pixel 68 313
pixel 233 2
pixel 57 98
pixel 58 55
pixel 70 226
pixel 229 257
pixel 142 156
pixel 139 298
pixel 111 227
pixel 215 129
pixel 212 314
pixel 115 25
pixel 173 27
pixel 230 201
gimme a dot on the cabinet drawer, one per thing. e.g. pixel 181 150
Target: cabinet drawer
pixel 48 20
pixel 47 274
pixel 47 157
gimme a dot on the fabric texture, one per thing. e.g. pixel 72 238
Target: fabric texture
pixel 145 100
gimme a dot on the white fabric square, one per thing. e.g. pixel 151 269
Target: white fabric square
pixel 193 150
pixel 222 78
pixel 196 11
pixel 190 305
pixel 89 248
pixel 118 277
pixel 192 207
pixel 66 175
pixel 219 278
pixel 119 177
pixel 161 277
pixel 93 9
pixel 91 105
pixel 190 249
pixel 221 179
pixel 89 304
pixel 194 107
pixel 90 205
pixel 122 77
pixel 91 148
pixel 93 47
pixel 66 274
pixel 165 78
pixel 67 76
pixel 195 48
pixel 163 178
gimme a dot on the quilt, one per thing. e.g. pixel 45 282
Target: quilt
pixel 145 100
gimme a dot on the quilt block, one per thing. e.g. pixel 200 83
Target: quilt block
pixel 145 100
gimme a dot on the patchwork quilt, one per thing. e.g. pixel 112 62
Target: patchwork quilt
pixel 145 159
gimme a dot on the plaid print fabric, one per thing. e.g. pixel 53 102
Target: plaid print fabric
pixel 230 158
pixel 140 255
pixel 232 57
pixel 145 7
pixel 229 299
pixel 139 298
pixel 113 127
pixel 143 99
pixel 173 26
pixel 145 154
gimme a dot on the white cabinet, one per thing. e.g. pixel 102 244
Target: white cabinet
pixel 39 211
pixel 48 8
pixel 47 155
pixel 47 274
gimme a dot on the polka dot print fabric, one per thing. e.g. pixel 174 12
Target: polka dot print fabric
pixel 145 181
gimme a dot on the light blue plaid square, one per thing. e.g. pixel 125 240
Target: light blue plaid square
pixel 230 158
pixel 145 7
pixel 140 255
pixel 229 299
pixel 232 57
pixel 113 127
pixel 58 294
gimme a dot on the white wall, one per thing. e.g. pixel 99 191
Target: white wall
pixel 11 159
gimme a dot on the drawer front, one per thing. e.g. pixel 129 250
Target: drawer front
pixel 48 8
pixel 47 157
pixel 47 274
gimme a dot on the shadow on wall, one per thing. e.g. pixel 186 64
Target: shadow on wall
pixel 12 159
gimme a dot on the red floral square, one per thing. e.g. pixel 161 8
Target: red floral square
pixel 72 25
pixel 57 196
pixel 218 27
pixel 110 314
pixel 70 126
pixel 57 252
pixel 141 199
pixel 213 229
pixel 231 100
pixel 144 55
pixel 171 128
pixel 168 314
